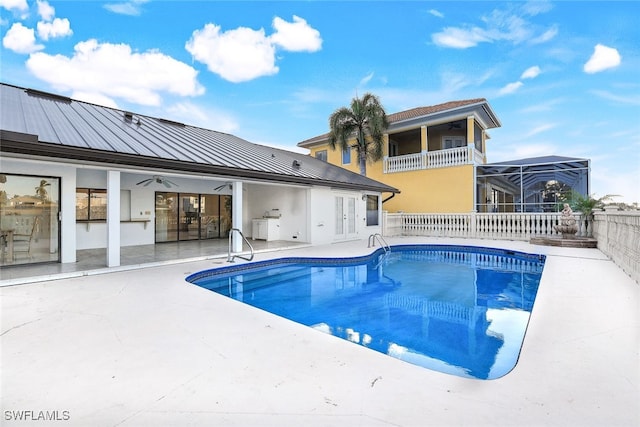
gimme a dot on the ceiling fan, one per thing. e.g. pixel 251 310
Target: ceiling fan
pixel 455 125
pixel 227 184
pixel 158 179
pixel 220 187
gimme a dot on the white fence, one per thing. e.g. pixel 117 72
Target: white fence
pixel 617 233
pixel 506 226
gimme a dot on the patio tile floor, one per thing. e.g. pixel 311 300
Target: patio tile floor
pixel 145 348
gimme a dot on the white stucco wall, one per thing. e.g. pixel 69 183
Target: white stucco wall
pixel 322 219
pixel 307 213
pixel 290 202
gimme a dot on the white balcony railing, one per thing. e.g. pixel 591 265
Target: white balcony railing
pixel 433 159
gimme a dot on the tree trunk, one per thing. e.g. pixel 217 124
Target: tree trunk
pixel 362 159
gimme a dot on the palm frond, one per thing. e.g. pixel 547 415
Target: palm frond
pixel 365 121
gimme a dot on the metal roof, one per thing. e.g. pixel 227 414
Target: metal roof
pixel 44 124
pixel 543 160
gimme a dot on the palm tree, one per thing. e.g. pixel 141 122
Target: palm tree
pixel 366 120
pixel 41 191
pixel 587 204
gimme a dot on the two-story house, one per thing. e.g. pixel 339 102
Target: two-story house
pixel 437 157
pixel 430 154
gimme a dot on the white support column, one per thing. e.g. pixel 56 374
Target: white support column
pixel 113 218
pixel 236 214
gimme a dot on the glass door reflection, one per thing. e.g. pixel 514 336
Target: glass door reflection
pixel 189 216
pixel 29 219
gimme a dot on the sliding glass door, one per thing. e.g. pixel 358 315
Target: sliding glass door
pixel 29 219
pixel 190 216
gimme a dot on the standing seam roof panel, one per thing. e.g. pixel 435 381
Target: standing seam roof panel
pixel 37 122
pixel 93 128
pixel 217 149
pixel 155 133
pixel 123 139
pixel 13 117
pixel 174 138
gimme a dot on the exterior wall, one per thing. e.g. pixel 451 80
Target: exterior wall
pixel 431 190
pixel 618 235
pixel 322 216
pixel 291 203
pixel 335 158
pixel 137 203
pixel 443 190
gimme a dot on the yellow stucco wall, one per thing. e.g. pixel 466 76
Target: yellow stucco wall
pixel 443 190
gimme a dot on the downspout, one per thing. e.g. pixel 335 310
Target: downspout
pixel 389 198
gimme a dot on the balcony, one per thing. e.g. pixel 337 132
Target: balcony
pixel 467 155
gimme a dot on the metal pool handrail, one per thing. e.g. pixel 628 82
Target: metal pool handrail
pixel 383 243
pixel 231 258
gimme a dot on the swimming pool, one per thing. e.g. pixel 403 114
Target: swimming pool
pixel 455 309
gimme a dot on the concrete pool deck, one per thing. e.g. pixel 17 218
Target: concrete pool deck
pixel 145 348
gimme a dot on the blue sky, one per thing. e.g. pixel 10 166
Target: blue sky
pixel 563 77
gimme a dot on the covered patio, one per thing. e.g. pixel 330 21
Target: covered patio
pixel 92 261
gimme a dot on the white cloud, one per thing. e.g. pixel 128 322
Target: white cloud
pixel 237 55
pixel 603 58
pixel 114 71
pixel 57 28
pixel 15 5
pixel 131 8
pixel 628 98
pixel 531 73
pixel 539 129
pixel 208 118
pixel 244 54
pixel 46 11
pixel 296 36
pixel 459 38
pixel 546 36
pixel 522 151
pixel 497 26
pixel 510 88
pixel 366 79
pixel 21 39
pixel 95 98
pixel 537 7
pixel 436 13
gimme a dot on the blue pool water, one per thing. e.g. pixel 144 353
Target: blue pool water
pixel 455 309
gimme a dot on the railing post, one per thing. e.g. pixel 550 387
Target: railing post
pixel 472 224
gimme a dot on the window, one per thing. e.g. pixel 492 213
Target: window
pixel 372 210
pixel 393 149
pixel 321 155
pixel 453 142
pixel 346 156
pixel 91 204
